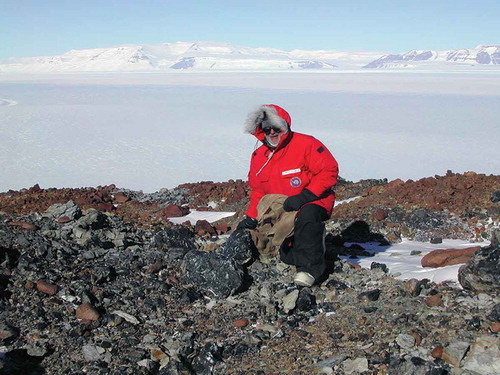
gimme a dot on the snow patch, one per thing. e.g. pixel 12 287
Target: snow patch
pixel 404 266
pixel 194 216
pixel 337 203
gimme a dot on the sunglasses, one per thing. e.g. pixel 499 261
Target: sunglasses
pixel 267 131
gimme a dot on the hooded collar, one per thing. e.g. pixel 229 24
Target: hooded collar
pixel 276 116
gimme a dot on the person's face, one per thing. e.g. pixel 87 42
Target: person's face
pixel 273 135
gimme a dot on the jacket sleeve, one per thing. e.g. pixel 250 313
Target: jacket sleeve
pixel 324 169
pixel 256 192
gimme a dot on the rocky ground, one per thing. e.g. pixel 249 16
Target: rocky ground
pixel 96 281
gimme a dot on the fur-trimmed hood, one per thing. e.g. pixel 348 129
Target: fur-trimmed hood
pixel 270 113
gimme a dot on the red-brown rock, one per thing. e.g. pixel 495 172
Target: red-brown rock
pixel 240 323
pixel 105 206
pixel 495 327
pixel 6 332
pixel 448 257
pixel 173 210
pixel 34 188
pixel 395 183
pixel 46 288
pixel 120 197
pixel 380 214
pixel 437 352
pixel 418 338
pixel 435 300
pixel 23 224
pixel 222 228
pixel 63 220
pixel 203 226
pixel 29 284
pixel 155 267
pixel 87 312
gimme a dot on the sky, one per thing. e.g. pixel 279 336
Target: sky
pixel 52 27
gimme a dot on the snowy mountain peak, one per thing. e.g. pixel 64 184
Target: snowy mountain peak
pixel 481 55
pixel 221 56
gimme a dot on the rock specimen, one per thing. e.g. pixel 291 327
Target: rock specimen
pixel 213 273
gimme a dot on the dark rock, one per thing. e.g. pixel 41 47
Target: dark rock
pixel 240 247
pixel 68 210
pixel 306 300
pixel 495 237
pixel 208 357
pixel 482 273
pixel 238 350
pixel 436 240
pixel 103 274
pixel 474 323
pixel 494 315
pixel 168 238
pixel 380 266
pixel 175 368
pixel 189 295
pixel 93 220
pixel 417 366
pixel 371 295
pixel 339 285
pixel 419 285
pixel 9 257
pixel 425 219
pixel 176 253
pixel 213 273
pixel 495 196
pixel 18 361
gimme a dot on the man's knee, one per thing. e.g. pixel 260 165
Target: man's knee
pixel 311 213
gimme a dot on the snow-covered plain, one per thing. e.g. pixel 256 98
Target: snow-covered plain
pixel 152 131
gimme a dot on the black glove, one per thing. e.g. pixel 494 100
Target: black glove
pixel 247 223
pixel 294 202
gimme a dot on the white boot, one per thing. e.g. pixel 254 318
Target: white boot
pixel 303 279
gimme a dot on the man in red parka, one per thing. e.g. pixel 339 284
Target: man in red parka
pixel 301 167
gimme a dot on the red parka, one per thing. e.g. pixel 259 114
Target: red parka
pixel 298 162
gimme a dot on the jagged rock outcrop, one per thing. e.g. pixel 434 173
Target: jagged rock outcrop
pixel 482 272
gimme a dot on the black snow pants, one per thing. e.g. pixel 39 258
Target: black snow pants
pixel 306 249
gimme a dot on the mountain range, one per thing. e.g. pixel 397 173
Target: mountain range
pixel 218 56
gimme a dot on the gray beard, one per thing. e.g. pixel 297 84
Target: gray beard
pixel 272 144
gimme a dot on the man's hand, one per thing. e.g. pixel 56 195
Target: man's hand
pixel 294 202
pixel 247 223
